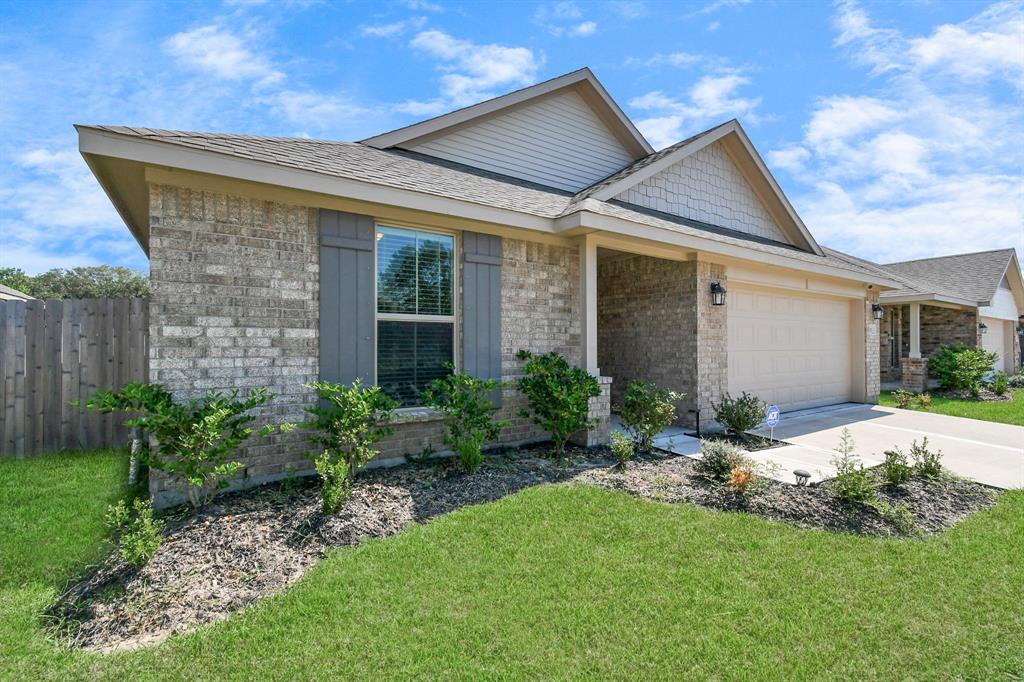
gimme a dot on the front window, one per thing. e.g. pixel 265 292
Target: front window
pixel 415 310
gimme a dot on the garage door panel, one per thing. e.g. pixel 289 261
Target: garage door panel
pixel 790 349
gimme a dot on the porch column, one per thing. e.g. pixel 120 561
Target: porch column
pixel 588 293
pixel 915 330
pixel 915 369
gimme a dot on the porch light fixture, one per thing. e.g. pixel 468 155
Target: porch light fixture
pixel 877 312
pixel 717 294
pixel 982 327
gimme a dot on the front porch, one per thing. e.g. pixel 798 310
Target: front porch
pixel 911 333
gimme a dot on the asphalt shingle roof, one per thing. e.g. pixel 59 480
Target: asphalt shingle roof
pixel 974 276
pixel 417 172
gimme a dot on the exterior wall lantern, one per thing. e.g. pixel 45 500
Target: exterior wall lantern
pixel 717 294
pixel 982 327
pixel 877 312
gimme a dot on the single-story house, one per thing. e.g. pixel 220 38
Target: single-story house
pixel 11 294
pixel 976 299
pixel 541 219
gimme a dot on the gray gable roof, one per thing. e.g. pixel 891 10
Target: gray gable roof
pixel 972 276
pixel 421 173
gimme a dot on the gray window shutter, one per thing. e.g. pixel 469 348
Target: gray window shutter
pixel 481 306
pixel 348 330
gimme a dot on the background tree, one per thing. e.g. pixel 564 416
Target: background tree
pixel 97 281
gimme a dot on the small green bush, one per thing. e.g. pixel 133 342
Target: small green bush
pixel 718 457
pixel 138 533
pixel 1000 383
pixel 346 425
pixel 468 412
pixel 926 462
pixel 647 409
pixel 739 415
pixel 623 448
pixel 904 399
pixel 195 439
pixel 959 368
pixel 924 400
pixel 558 394
pixel 896 469
pixel 1016 381
pixel 852 482
pixel 899 515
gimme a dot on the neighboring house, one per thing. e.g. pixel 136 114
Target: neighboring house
pixel 976 299
pixel 541 219
pixel 9 294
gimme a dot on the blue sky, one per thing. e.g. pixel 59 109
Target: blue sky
pixel 896 129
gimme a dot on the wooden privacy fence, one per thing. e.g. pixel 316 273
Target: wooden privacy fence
pixel 53 352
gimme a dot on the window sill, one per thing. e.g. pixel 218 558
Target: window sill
pixel 411 415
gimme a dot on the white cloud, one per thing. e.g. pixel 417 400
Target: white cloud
pixel 714 26
pixel 423 6
pixel 677 59
pixel 315 109
pixel 472 70
pixel 393 29
pixel 629 9
pixel 217 51
pixel 929 161
pixel 564 19
pixel 712 99
pixel 582 30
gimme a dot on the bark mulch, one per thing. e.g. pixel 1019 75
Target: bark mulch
pixel 245 546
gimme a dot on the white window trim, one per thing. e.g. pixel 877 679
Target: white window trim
pixel 406 317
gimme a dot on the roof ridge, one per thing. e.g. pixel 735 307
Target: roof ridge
pixel 145 131
pixel 952 255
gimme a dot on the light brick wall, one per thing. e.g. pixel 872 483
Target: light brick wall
pixel 872 360
pixel 235 304
pixel 706 186
pixel 712 342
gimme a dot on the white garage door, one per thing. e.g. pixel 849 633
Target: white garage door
pixel 994 339
pixel 789 349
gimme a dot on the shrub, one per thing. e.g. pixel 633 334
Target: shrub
pixel 138 533
pixel 739 415
pixel 468 414
pixel 926 462
pixel 852 482
pixel 718 457
pixel 959 368
pixel 904 399
pixel 622 448
pixel 646 410
pixel 1016 381
pixel 896 469
pixel 741 476
pixel 924 400
pixel 195 439
pixel 1000 383
pixel 559 395
pixel 899 515
pixel 346 425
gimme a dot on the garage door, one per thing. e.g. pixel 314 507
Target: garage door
pixel 792 350
pixel 994 339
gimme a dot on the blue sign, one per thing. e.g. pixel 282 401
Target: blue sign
pixel 772 417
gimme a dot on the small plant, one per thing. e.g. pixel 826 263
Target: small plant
pixel 1016 381
pixel 896 469
pixel 623 448
pixel 959 368
pixel 739 415
pixel 468 414
pixel 741 476
pixel 904 399
pixel 1000 383
pixel 347 424
pixel 558 394
pixel 924 400
pixel 718 458
pixel 926 462
pixel 852 482
pixel 899 515
pixel 138 533
pixel 197 439
pixel 646 410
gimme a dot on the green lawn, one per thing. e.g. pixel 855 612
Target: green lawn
pixel 555 582
pixel 1009 412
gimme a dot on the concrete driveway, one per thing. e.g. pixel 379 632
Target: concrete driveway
pixel 986 452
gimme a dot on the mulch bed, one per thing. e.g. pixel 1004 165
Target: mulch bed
pixel 248 545
pixel 986 395
pixel 749 442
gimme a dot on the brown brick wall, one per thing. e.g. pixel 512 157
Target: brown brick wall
pixel 235 304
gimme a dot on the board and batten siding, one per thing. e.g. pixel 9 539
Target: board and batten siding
pixel 556 141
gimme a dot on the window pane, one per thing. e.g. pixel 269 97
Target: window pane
pixel 396 270
pixel 414 272
pixel 410 355
pixel 434 274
